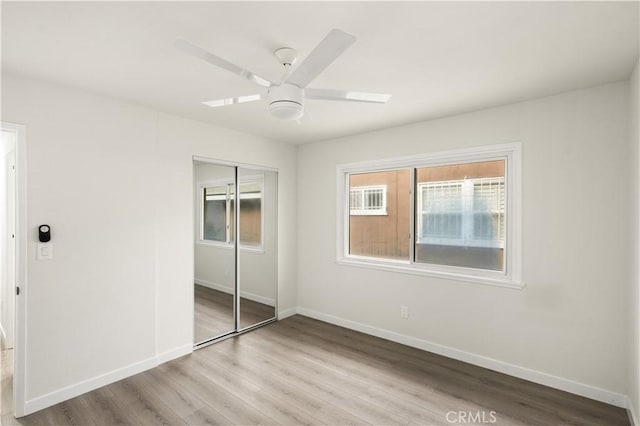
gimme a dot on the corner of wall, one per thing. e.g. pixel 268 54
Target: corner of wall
pixel 297 237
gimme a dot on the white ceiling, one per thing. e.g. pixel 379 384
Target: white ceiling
pixel 436 58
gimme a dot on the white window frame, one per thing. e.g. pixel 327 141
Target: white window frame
pixel 257 248
pixel 511 277
pixel 381 211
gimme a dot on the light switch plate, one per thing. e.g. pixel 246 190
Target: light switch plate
pixel 45 251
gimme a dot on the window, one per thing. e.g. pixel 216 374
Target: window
pixel 453 214
pixel 217 212
pixel 369 200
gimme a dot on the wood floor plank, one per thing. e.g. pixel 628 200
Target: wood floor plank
pixel 365 387
pixel 102 408
pixel 254 394
pixel 181 401
pixel 279 386
pixel 140 403
pixel 207 416
pixel 358 368
pixel 215 397
pixel 315 380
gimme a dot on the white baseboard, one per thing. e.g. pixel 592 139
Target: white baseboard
pixel 286 313
pixel 215 286
pixel 71 391
pixel 175 353
pixel 633 419
pixel 539 377
pixel 229 290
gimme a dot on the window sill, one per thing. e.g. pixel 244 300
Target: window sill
pixel 406 268
pixel 247 249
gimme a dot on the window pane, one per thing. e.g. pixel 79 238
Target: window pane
pixel 460 215
pixel 215 211
pixel 379 214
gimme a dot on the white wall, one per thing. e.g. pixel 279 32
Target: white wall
pixel 215 265
pixel 115 182
pixel 570 322
pixel 634 295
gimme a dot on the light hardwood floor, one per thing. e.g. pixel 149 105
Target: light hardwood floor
pixel 302 371
pixel 214 313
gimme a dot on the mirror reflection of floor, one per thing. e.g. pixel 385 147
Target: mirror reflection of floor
pixel 252 312
pixel 214 313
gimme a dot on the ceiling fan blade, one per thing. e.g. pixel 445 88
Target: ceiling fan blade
pixel 346 95
pixel 199 52
pixel 232 101
pixel 332 46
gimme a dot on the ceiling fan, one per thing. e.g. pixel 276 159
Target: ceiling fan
pixel 286 98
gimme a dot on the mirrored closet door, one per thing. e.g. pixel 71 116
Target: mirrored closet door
pixel 235 285
pixel 215 266
pixel 257 277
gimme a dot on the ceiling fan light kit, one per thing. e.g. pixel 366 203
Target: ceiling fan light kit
pixel 286 99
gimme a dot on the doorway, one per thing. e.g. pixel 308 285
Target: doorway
pixel 7 238
pixel 235 250
pixel 12 267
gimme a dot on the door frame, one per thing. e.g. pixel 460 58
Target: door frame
pixel 20 320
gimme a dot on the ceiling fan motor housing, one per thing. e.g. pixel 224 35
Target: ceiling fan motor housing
pixel 286 101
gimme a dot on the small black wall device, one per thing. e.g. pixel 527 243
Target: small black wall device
pixel 44 233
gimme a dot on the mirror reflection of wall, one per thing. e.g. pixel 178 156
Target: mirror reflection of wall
pixel 215 255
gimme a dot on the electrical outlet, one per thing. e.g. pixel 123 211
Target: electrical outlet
pixel 404 312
